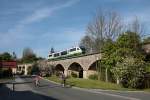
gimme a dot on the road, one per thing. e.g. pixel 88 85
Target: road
pixel 51 91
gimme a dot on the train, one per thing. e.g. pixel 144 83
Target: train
pixel 78 50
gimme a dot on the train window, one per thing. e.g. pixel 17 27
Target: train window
pixel 64 53
pixel 78 49
pixel 56 54
pixel 50 55
pixel 74 49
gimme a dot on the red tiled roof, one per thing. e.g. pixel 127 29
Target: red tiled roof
pixel 8 64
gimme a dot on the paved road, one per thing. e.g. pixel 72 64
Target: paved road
pixel 52 91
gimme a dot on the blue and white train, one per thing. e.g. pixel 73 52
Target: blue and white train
pixel 69 52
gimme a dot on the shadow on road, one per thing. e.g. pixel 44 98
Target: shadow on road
pixel 8 94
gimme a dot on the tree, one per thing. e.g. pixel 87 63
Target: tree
pixel 6 56
pixel 130 65
pixel 106 25
pixel 108 59
pixel 14 56
pixel 136 27
pixel 27 52
pixel 35 69
pixel 52 50
pixel 87 43
pixel 28 56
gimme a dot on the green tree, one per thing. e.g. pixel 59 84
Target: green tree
pixel 6 56
pixel 129 59
pixel 108 59
pixel 35 69
pixel 28 56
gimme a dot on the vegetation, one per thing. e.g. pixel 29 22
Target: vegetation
pixel 28 56
pixel 73 74
pixel 121 49
pixel 6 56
pixel 93 77
pixel 105 25
pixel 6 72
pixel 34 69
pixel 87 83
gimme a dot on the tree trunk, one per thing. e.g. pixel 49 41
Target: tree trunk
pixel 118 81
pixel 99 70
pixel 106 74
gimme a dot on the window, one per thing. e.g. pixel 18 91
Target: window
pixel 50 55
pixel 64 53
pixel 74 49
pixel 56 54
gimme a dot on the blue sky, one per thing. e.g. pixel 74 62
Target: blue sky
pixel 42 24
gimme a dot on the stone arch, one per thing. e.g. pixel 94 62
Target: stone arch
pixel 92 68
pixel 58 69
pixel 75 68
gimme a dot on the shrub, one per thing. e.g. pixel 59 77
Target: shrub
pixel 93 77
pixel 7 73
pixel 57 73
pixel 35 69
pixel 73 74
pixel 125 82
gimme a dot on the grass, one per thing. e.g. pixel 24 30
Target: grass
pixel 90 84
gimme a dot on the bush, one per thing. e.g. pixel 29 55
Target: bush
pixel 138 83
pixel 57 73
pixel 73 74
pixel 125 82
pixel 35 69
pixel 93 77
pixel 7 73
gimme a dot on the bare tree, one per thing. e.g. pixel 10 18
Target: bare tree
pixel 87 43
pixel 137 27
pixel 27 52
pixel 106 25
pixel 28 55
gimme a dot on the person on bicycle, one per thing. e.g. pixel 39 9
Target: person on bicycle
pixel 37 78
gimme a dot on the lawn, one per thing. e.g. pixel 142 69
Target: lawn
pixel 87 83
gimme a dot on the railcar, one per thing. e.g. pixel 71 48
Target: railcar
pixel 69 52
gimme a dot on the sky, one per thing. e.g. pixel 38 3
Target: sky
pixel 42 24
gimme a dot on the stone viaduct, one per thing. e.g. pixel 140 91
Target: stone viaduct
pixel 83 66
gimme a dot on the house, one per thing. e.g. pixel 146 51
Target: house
pixel 9 65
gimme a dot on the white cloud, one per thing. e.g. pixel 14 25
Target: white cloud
pixel 17 37
pixel 17 32
pixel 45 12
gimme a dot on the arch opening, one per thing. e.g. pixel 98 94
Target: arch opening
pixel 58 69
pixel 75 70
pixel 97 67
